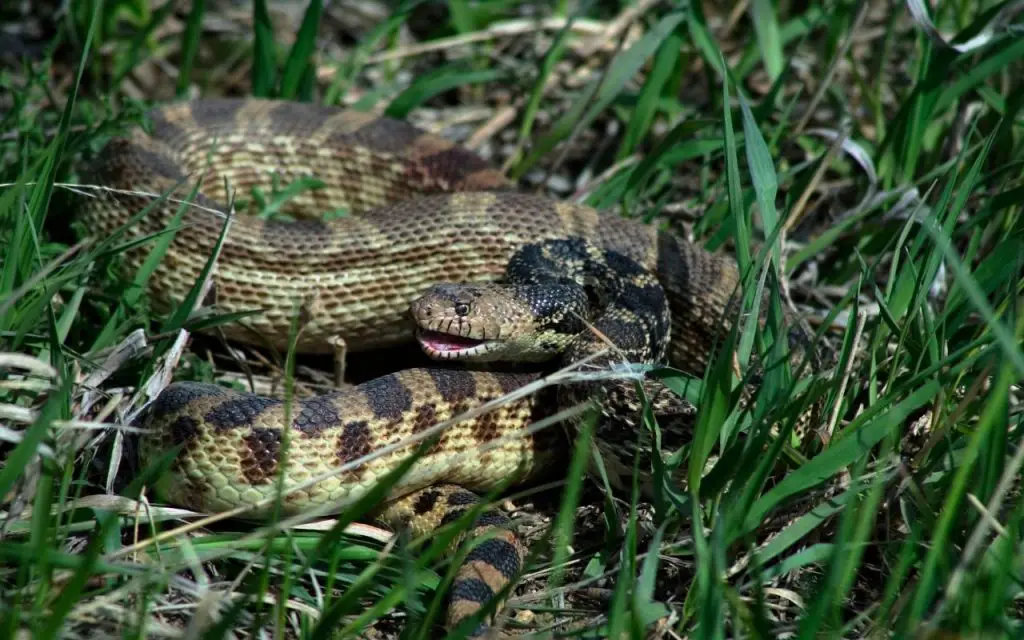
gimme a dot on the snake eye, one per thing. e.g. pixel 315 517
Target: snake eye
pixel 462 309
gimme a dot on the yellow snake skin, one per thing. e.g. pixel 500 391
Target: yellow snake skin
pixel 420 210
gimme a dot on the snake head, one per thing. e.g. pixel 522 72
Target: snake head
pixel 487 323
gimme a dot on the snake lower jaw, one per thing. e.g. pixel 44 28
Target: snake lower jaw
pixel 442 346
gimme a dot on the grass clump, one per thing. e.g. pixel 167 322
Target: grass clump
pixel 862 162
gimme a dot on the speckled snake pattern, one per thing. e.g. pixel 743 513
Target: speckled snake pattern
pixel 421 210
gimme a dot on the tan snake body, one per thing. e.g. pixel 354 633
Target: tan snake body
pixel 422 210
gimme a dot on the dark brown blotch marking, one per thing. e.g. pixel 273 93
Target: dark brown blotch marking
pixel 214 113
pixel 387 397
pixel 497 553
pixel 462 498
pixel 461 406
pixel 259 460
pixel 316 415
pixel 354 441
pixel 622 264
pixel 627 336
pixel 454 385
pixel 162 128
pixel 486 519
pixel 382 136
pixel 183 430
pixel 454 163
pixel 544 442
pixel 239 411
pixel 426 502
pixel 485 428
pixel 300 118
pixel 177 395
pixel 425 417
pixel 649 303
pixel 157 163
pixel 671 267
pixel 472 590
pixel 509 382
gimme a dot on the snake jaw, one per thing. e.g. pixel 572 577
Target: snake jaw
pixel 445 346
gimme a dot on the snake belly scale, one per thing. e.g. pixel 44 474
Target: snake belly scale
pixel 422 211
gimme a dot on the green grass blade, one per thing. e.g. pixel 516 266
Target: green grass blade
pixel 264 51
pixel 766 182
pixel 437 82
pixel 554 54
pixel 604 90
pixel 863 434
pixel 740 219
pixel 766 26
pixel 190 46
pixel 937 557
pixel 299 60
pixel 666 62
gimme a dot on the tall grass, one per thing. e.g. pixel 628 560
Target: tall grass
pixel 864 160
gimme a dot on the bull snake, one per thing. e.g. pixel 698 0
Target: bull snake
pixel 422 211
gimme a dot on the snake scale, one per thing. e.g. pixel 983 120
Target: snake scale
pixel 422 210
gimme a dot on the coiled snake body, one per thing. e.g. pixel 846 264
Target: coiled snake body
pixel 422 211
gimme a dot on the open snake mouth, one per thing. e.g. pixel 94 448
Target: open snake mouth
pixel 444 346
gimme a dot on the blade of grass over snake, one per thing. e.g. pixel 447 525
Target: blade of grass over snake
pixel 185 309
pixel 132 295
pixel 288 398
pixel 328 623
pixel 440 542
